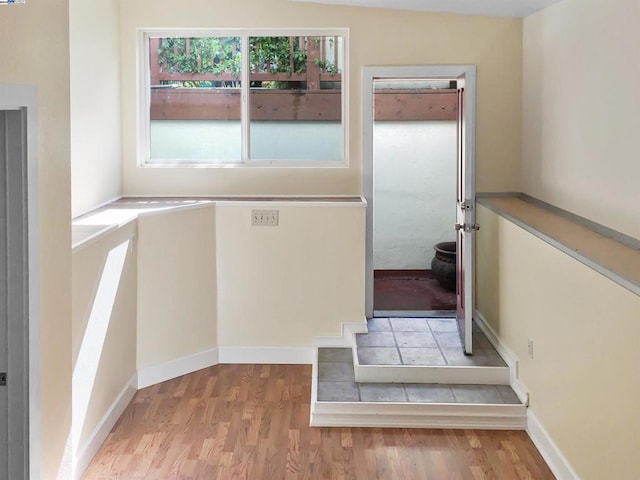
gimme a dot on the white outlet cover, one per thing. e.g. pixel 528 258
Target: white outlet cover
pixel 265 218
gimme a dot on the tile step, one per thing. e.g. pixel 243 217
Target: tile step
pixel 444 396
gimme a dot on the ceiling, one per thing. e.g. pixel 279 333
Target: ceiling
pixel 494 8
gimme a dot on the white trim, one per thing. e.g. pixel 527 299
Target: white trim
pixel 14 96
pixel 176 368
pixel 418 415
pixel 331 342
pixel 347 339
pixel 92 238
pixel 507 355
pixel 291 203
pixel 85 454
pixel 314 385
pixel 96 207
pixel 267 355
pixel 556 461
pixel 459 375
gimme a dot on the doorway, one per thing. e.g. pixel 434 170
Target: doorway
pixel 19 286
pixel 460 215
pixel 414 185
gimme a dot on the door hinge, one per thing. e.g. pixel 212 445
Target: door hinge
pixel 3 379
pixel 466 206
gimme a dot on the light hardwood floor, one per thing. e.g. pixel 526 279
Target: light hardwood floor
pixel 252 422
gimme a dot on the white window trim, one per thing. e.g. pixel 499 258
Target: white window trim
pixel 144 96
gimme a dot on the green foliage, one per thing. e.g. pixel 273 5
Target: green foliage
pixel 328 67
pixel 207 55
pixel 222 55
pixel 278 55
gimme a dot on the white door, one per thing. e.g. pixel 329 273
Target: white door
pixel 14 307
pixel 465 219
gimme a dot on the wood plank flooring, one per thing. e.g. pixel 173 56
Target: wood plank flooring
pixel 252 422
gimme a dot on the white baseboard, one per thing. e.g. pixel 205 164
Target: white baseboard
pixel 86 453
pixel 176 368
pixel 557 462
pixel 507 355
pixel 208 358
pixel 542 440
pixel 267 355
pixel 349 329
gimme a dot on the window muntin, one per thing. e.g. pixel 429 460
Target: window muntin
pixel 209 104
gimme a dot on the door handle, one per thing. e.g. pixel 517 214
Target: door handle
pixel 466 227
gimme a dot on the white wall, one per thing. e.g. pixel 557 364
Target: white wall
pixel 177 292
pixel 583 378
pixel 414 192
pixel 408 38
pixel 283 286
pixel 36 52
pixel 582 110
pixel 208 279
pixel 96 146
pixel 103 329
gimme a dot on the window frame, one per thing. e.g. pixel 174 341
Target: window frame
pixel 144 96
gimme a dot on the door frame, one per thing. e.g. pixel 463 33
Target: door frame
pixel 24 99
pixel 435 72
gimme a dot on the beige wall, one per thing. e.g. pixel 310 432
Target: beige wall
pixel 117 353
pixel 582 110
pixel 407 38
pixel 583 379
pixel 286 285
pixel 176 285
pixel 36 51
pixel 96 146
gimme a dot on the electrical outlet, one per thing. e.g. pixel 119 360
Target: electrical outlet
pixel 530 348
pixel 265 218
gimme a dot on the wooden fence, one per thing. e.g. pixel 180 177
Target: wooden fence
pixel 309 103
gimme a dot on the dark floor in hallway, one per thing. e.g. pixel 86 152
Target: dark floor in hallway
pixel 410 290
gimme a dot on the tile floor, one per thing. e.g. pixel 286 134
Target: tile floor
pixel 336 384
pixel 422 341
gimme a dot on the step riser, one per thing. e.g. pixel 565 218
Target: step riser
pixel 413 415
pixel 379 421
pixel 423 374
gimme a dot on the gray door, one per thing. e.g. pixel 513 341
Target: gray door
pixel 14 371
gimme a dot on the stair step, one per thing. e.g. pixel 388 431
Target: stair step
pixel 425 350
pixel 338 399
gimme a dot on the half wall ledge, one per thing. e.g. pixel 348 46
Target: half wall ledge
pixel 609 252
pixel 93 225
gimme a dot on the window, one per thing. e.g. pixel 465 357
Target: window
pixel 249 98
